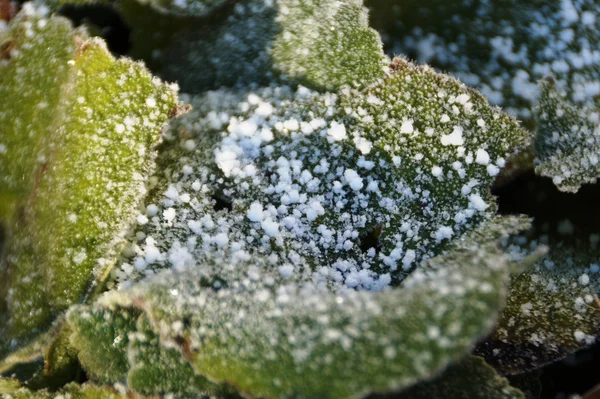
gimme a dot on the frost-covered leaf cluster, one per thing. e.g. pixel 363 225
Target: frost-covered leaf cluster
pixel 313 218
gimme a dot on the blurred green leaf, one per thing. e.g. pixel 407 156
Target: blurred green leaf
pixel 292 340
pixel 567 143
pixel 322 44
pixel 80 128
pixel 470 378
pixel 552 307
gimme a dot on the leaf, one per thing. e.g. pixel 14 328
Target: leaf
pixel 80 128
pixel 308 341
pixel 225 54
pixel 120 347
pixel 508 47
pixel 567 143
pixel 327 44
pixel 282 172
pixel 272 309
pixel 552 307
pixel 8 386
pixel 322 44
pixel 471 378
pixel 161 369
pixel 73 390
pixel 100 339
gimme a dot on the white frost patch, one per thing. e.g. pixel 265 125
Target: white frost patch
pixel 407 126
pixel 482 157
pixel 337 131
pixel 443 233
pixel 477 203
pixel 255 212
pixel 454 138
pixel 151 102
pixel 270 227
pixel 354 180
pixel 363 145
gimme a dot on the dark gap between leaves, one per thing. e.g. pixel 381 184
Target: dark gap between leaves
pixel 539 198
pixel 221 203
pixel 106 20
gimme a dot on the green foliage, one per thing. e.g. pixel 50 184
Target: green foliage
pixel 72 391
pixel 321 44
pixel 320 224
pixel 567 143
pixel 552 308
pixel 470 378
pixel 327 44
pixel 295 340
pixel 101 340
pixel 509 46
pixel 74 161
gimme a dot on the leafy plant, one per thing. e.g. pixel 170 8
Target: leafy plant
pixel 312 218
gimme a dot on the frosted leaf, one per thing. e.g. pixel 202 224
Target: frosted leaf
pixel 8 386
pixel 234 51
pixel 567 143
pixel 471 378
pixel 160 369
pixel 72 390
pixel 101 340
pixel 552 307
pixel 279 172
pixel 508 47
pixel 28 357
pixel 271 337
pixel 323 44
pixel 327 44
pixel 120 347
pixel 79 131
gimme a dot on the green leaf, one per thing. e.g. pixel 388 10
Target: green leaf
pixel 327 44
pixel 8 386
pixel 567 143
pixel 225 196
pixel 73 391
pixel 322 44
pixel 282 172
pixel 120 347
pixel 552 308
pixel 157 368
pixel 508 47
pixel 100 339
pixel 78 145
pixel 471 378
pixel 308 341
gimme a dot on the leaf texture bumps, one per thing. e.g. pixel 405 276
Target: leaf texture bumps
pixel 79 131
